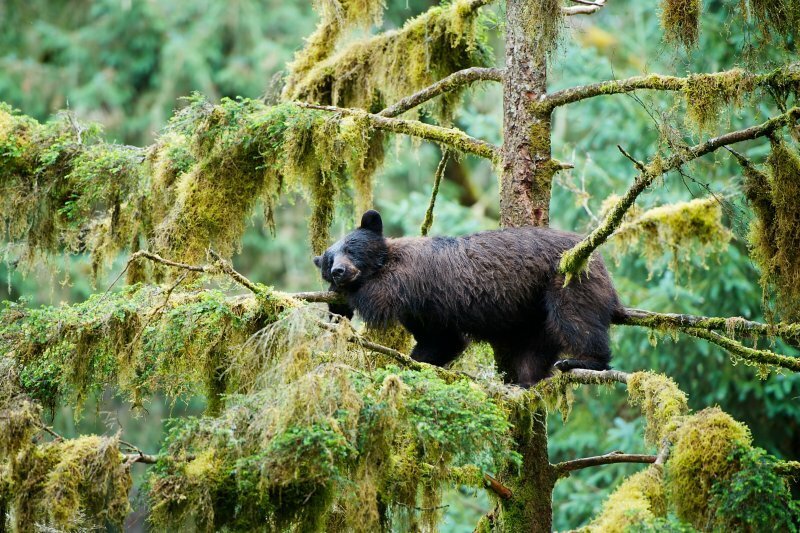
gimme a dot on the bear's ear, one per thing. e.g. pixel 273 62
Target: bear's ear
pixel 372 221
pixel 318 261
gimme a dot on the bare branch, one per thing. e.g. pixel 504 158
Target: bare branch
pixel 143 458
pixel 450 83
pixel 498 488
pixel 587 9
pixel 575 260
pixel 563 469
pixel 452 137
pixel 638 164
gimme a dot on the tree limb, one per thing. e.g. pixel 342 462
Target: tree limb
pixel 564 468
pixel 450 83
pixel 752 355
pixel 788 468
pixel 452 137
pixel 656 82
pixel 593 377
pixel 576 259
pixel 734 325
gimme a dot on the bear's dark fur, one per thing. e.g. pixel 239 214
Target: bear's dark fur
pixel 497 286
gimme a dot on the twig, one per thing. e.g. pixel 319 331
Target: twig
pixel 638 164
pixel 752 355
pixel 575 259
pixel 581 10
pixel 51 431
pixel 564 468
pixel 498 488
pixel 450 83
pixel 143 458
pixel 452 137
pixel 437 179
pixel 228 269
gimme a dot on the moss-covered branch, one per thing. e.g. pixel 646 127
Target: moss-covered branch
pixel 451 137
pixel 576 259
pixel 732 326
pixel 699 89
pixel 369 73
pixel 740 351
pixel 452 82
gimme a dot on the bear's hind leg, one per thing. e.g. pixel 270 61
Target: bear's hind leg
pixel 525 361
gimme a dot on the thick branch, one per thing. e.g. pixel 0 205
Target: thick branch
pixel 563 469
pixel 575 260
pixel 454 138
pixel 450 83
pixel 788 468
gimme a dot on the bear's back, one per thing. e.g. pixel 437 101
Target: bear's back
pixel 484 282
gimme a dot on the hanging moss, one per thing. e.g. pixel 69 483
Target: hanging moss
pixel 370 73
pixel 701 445
pixel 331 448
pixel 543 24
pixel 639 499
pixel 681 21
pixel 661 401
pixel 63 189
pixel 684 232
pixel 133 340
pixel 774 239
pixel 781 17
pixel 71 485
pixel 706 94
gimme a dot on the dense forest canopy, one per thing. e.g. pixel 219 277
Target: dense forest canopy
pixel 176 166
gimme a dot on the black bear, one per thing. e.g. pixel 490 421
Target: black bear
pixel 497 286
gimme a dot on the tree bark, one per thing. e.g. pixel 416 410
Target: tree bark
pixel 527 167
pixel 525 200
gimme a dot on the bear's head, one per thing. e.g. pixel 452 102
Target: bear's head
pixel 357 257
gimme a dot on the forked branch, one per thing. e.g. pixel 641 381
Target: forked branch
pixel 575 260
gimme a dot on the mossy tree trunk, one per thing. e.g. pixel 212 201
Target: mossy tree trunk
pixel 525 200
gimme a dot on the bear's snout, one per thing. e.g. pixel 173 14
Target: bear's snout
pixel 338 272
pixel 344 272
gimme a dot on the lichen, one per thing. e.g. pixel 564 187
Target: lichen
pixel 681 21
pixel 777 17
pixel 678 234
pixel 661 401
pixel 368 74
pixel 639 499
pixel 706 94
pixel 543 22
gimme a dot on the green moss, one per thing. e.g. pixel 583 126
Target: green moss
pixel 681 21
pixel 71 485
pixel 701 445
pixel 370 73
pixel 773 234
pixel 706 94
pixel 332 448
pixel 661 401
pixel 781 17
pixel 640 498
pixel 686 231
pixel 543 21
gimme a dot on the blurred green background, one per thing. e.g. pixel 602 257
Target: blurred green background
pixel 126 63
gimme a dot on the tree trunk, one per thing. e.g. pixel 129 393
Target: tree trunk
pixel 525 200
pixel 527 168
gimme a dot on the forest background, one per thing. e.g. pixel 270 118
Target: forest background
pixel 125 65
